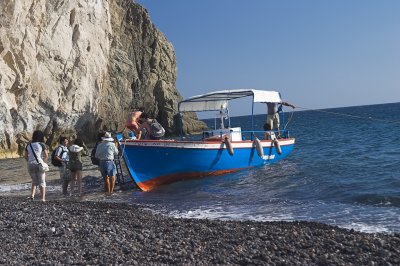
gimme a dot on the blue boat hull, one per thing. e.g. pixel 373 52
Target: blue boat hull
pixel 158 162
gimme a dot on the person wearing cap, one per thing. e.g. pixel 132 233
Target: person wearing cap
pixel 106 152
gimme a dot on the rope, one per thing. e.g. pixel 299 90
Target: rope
pixel 289 119
pixel 352 116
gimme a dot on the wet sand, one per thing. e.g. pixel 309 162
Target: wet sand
pixel 15 180
pixel 15 171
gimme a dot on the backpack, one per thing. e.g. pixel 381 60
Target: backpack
pixel 54 161
pixel 157 130
pixel 93 158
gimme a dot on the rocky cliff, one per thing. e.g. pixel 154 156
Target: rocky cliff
pixel 74 67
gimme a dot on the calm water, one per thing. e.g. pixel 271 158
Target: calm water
pixel 344 171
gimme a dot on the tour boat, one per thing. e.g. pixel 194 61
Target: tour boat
pixel 221 150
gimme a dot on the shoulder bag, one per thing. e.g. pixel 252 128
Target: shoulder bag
pixel 43 167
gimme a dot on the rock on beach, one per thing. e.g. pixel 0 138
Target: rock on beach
pixel 99 233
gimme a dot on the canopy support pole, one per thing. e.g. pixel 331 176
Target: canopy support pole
pixel 180 125
pixel 252 117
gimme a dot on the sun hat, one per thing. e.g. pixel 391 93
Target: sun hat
pixel 107 137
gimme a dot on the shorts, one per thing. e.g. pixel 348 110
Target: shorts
pixel 75 166
pixel 273 120
pixel 108 168
pixel 38 177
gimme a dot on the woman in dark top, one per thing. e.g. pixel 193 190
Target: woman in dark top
pixel 76 151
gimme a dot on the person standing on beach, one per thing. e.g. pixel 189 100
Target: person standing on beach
pixel 106 152
pixel 61 155
pixel 76 151
pixel 273 110
pixel 93 158
pixel 36 151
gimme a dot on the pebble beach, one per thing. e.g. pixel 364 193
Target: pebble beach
pixel 74 232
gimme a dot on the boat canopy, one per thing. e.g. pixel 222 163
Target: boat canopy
pixel 219 99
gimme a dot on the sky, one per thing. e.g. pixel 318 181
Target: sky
pixel 317 53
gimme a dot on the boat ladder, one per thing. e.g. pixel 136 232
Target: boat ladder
pixel 120 174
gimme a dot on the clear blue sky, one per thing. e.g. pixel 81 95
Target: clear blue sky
pixel 317 53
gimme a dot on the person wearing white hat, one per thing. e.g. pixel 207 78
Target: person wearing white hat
pixel 106 152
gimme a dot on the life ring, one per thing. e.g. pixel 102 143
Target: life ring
pixel 228 145
pixel 259 147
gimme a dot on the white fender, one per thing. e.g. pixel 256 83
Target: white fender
pixel 277 146
pixel 259 148
pixel 228 145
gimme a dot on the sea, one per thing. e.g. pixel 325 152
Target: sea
pixel 344 171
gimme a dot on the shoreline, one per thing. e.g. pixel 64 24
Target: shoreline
pixel 89 232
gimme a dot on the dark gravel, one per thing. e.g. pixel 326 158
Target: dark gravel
pixel 98 233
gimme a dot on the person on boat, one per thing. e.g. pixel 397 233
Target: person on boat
pixel 106 152
pixel 129 134
pixel 61 155
pixel 267 128
pixel 133 121
pixel 150 128
pixel 35 153
pixel 76 151
pixel 273 110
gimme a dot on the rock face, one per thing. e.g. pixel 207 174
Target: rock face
pixel 74 67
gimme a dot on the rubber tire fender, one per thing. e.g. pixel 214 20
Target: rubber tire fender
pixel 259 147
pixel 228 146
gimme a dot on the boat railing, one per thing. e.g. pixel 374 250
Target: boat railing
pixel 236 134
pixel 264 135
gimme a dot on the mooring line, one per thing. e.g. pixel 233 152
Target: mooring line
pixel 352 116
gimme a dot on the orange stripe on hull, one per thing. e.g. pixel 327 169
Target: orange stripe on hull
pixel 166 179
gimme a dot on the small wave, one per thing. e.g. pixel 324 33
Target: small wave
pixel 14 187
pixel 362 227
pixel 222 214
pixel 378 200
